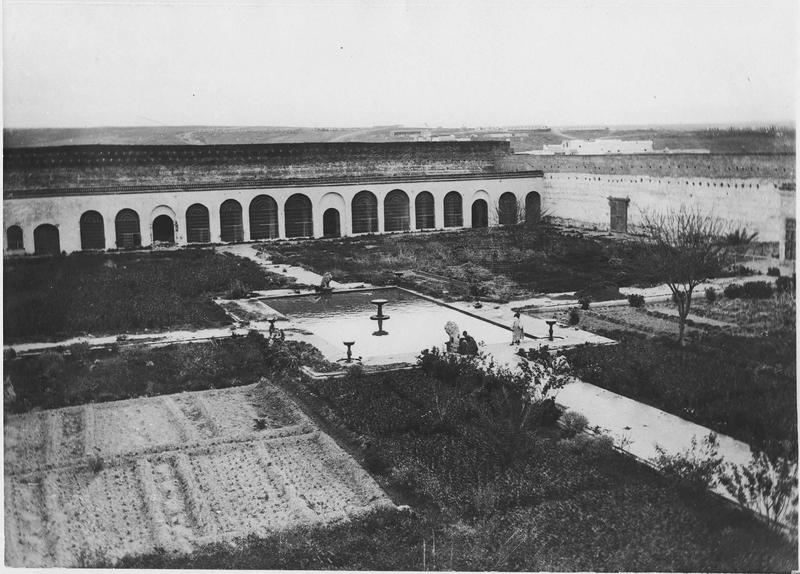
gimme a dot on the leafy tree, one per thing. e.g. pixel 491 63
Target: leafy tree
pixel 685 246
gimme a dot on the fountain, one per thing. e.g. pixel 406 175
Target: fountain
pixel 349 359
pixel 379 317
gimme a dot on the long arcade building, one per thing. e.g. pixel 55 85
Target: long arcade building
pixel 122 196
pixel 101 197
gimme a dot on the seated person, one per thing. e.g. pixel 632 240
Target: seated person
pixel 470 347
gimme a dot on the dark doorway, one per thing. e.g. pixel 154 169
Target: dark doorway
pixel 480 213
pixel 197 226
pixel 533 208
pixel 619 214
pixel 507 209
pixel 230 221
pixel 330 223
pixel 365 212
pixel 424 211
pixel 263 218
pixel 46 240
pixel 298 215
pixel 126 226
pixel 395 211
pixel 164 229
pixel 93 234
pixel 14 239
pixel 453 210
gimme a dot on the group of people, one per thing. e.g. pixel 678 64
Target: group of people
pixel 464 344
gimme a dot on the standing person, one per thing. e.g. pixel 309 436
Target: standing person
pixel 516 330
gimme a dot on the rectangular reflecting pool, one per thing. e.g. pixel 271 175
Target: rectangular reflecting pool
pixel 414 323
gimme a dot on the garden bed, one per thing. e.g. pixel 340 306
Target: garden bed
pixel 171 478
pixel 80 375
pixel 60 297
pixel 497 264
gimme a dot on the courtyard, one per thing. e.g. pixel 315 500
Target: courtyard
pixel 439 439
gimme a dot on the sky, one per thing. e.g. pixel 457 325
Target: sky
pixel 363 63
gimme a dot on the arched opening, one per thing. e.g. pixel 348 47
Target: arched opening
pixel 424 211
pixel 330 223
pixel 395 211
pixel 197 225
pixel 14 239
pixel 365 212
pixel 507 208
pixel 46 240
pixel 453 210
pixel 230 221
pixel 163 229
pixel 299 222
pixel 263 218
pixel 480 213
pixel 93 233
pixel 126 228
pixel 533 207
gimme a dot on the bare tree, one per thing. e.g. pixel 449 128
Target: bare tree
pixel 684 247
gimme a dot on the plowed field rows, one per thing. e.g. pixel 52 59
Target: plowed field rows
pixel 101 481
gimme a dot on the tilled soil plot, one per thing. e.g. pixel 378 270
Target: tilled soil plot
pixel 102 481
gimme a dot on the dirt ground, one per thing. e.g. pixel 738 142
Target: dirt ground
pixel 102 481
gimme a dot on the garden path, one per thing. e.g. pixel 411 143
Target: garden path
pixel 163 338
pixel 303 276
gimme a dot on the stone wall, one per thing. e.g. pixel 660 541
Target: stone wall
pixel 757 204
pixel 102 166
pixel 732 166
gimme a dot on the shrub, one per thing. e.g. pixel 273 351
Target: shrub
pixel 784 284
pixel 635 300
pixel 584 302
pixel 774 272
pixel 80 351
pixel 697 468
pixel 767 485
pixel 574 316
pixel 237 290
pixel 547 413
pixel 744 271
pixel 711 294
pixel 733 291
pixel 574 423
pixel 757 290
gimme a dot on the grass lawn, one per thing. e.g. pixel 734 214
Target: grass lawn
pixel 499 264
pixel 60 297
pixel 556 504
pixel 740 381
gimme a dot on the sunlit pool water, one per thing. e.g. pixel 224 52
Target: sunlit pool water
pixel 415 323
